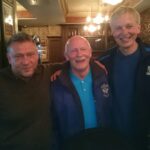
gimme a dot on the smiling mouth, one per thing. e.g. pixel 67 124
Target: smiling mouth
pixel 80 61
pixel 125 39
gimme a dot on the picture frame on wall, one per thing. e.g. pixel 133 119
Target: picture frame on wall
pixel 44 51
pixel 8 17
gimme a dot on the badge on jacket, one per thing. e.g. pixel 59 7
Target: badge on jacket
pixel 105 89
pixel 148 71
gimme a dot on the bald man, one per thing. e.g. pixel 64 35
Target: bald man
pixel 81 95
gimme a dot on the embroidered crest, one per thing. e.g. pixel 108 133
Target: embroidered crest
pixel 105 90
pixel 148 71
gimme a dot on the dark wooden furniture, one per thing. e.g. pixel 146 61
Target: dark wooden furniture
pixel 100 41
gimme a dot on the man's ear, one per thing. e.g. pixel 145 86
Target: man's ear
pixel 66 57
pixel 9 58
pixel 139 29
pixel 91 52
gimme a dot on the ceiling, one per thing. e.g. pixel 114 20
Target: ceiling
pixel 53 12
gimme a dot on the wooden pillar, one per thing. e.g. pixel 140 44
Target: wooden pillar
pixel 6 30
pixel 1 24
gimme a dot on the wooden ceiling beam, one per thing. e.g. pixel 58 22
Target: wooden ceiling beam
pixel 24 14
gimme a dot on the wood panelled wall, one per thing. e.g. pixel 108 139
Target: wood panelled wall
pixel 53 41
pixel 45 33
pixel 100 41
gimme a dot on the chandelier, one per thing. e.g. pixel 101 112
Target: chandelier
pixel 94 23
pixel 112 2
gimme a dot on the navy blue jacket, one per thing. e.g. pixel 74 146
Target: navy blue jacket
pixel 68 115
pixel 142 91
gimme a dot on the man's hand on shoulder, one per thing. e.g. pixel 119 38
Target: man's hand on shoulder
pixel 55 75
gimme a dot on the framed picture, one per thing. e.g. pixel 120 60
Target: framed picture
pixel 44 52
pixel 8 16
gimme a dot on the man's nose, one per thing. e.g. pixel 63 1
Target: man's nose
pixel 124 30
pixel 79 52
pixel 25 59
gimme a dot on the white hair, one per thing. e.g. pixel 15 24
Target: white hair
pixel 72 38
pixel 122 10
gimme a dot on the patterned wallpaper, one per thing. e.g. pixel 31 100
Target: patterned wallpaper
pixel 145 24
pixel 43 32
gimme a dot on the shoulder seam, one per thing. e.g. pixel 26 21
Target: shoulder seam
pixel 104 57
pixel 147 49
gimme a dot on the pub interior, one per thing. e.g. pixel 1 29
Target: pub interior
pixel 52 22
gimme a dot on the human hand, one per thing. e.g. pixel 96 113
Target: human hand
pixel 55 75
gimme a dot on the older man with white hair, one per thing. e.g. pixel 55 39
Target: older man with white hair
pixel 81 95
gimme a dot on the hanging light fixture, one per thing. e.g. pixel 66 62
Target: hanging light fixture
pixel 91 27
pixel 33 2
pixel 100 18
pixel 94 23
pixel 112 2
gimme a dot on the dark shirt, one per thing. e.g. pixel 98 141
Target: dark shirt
pixel 124 74
pixel 141 93
pixel 25 122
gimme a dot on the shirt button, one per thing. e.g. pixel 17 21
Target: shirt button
pixel 84 89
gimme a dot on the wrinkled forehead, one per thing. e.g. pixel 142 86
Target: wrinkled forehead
pixel 78 43
pixel 133 17
pixel 26 46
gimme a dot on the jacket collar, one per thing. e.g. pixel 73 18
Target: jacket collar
pixel 97 72
pixel 8 71
pixel 144 49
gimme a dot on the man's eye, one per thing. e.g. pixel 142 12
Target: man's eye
pixel 73 51
pixel 30 54
pixel 118 28
pixel 18 56
pixel 129 26
pixel 83 49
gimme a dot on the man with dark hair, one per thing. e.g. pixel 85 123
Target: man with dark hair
pixel 25 122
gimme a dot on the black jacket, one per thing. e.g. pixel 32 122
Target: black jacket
pixel 68 114
pixel 142 90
